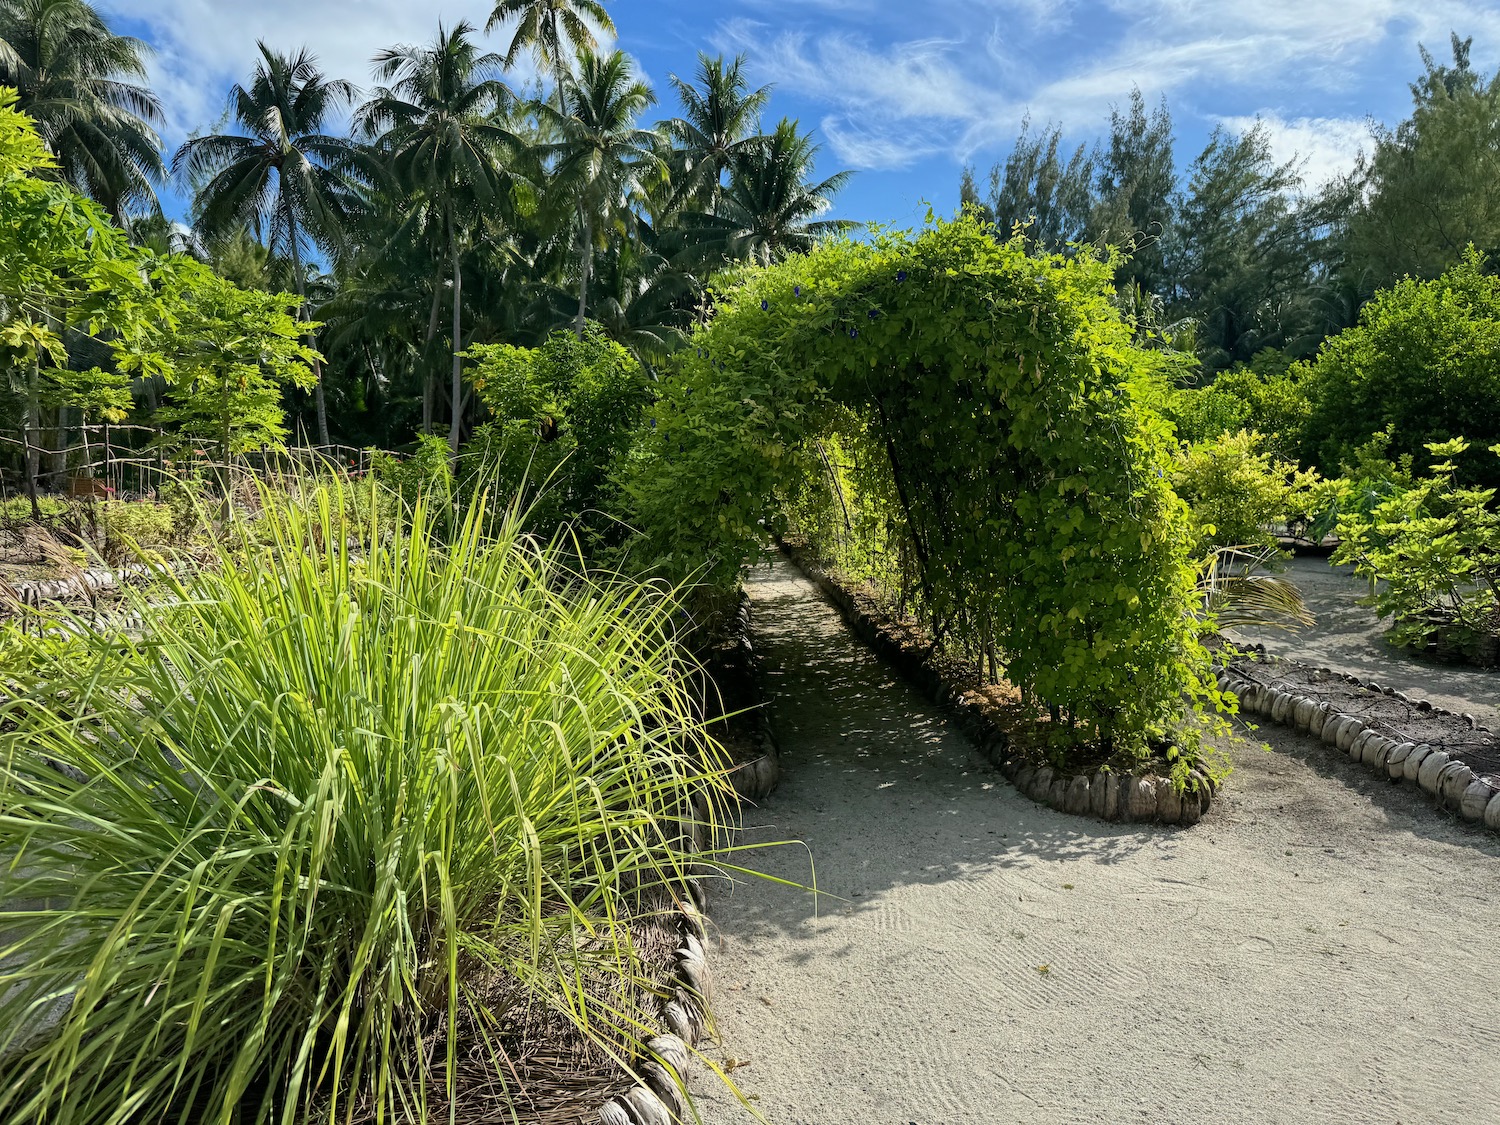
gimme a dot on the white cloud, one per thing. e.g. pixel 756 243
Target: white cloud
pixel 1325 146
pixel 203 46
pixel 889 105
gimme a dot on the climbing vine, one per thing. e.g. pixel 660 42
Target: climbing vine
pixel 963 420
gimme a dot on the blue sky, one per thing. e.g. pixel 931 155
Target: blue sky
pixel 906 92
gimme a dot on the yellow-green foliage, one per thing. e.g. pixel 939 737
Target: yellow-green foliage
pixel 981 412
pixel 1238 491
pixel 566 414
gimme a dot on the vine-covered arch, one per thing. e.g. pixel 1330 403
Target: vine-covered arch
pixel 970 415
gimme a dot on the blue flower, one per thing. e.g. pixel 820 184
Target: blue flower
pixel 853 333
pixel 765 306
pixel 872 314
pixel 796 290
pixel 653 423
pixel 900 275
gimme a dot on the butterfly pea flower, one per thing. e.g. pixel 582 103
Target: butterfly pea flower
pixel 873 313
pixel 854 333
pixel 796 290
pixel 900 275
pixel 765 306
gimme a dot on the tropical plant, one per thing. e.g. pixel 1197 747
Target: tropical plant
pixel 434 117
pixel 284 178
pixel 1238 492
pixel 1431 552
pixel 602 157
pixel 65 270
pixel 557 30
pixel 1238 590
pixel 719 126
pixel 770 207
pixel 1423 364
pixel 566 415
pixel 81 84
pixel 233 351
pixel 357 809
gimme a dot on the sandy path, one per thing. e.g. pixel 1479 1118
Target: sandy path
pixel 1321 948
pixel 1350 638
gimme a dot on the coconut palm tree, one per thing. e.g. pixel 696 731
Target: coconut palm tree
pixel 556 30
pixel 720 125
pixel 602 158
pixel 74 77
pixel 436 118
pixel 283 177
pixel 770 207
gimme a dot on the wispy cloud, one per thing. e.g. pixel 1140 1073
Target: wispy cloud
pixel 889 97
pixel 1324 146
pixel 205 45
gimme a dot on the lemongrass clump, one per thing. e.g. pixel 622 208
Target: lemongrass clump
pixel 266 857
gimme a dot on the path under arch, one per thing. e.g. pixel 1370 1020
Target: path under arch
pixel 1321 948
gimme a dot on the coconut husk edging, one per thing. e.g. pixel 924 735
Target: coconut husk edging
pixel 1450 757
pixel 1105 794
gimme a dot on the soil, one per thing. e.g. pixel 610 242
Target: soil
pixel 1406 720
pixel 1348 637
pixel 1316 950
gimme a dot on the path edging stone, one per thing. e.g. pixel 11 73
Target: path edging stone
pixel 1451 783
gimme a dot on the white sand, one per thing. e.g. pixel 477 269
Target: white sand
pixel 1323 947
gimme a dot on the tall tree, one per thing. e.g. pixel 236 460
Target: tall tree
pixel 720 124
pixel 1432 185
pixel 283 177
pixel 1242 260
pixel 602 155
pixel 1037 189
pixel 556 30
pixel 76 79
pixel 435 117
pixel 770 209
pixel 1136 181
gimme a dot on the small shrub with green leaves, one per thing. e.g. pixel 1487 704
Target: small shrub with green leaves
pixel 130 524
pixel 1431 551
pixel 566 415
pixel 1238 491
pixel 313 845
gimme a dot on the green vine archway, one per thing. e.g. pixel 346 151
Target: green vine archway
pixel 966 422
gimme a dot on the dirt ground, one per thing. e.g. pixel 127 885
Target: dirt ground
pixel 1348 637
pixel 1321 948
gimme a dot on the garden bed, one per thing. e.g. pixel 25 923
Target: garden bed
pixel 1450 756
pixel 1450 643
pixel 994 718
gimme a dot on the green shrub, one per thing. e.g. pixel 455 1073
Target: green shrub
pixel 128 524
pixel 317 840
pixel 1431 550
pixel 566 415
pixel 1261 396
pixel 1238 492
pixel 1423 364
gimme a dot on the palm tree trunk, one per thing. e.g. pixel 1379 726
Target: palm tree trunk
pixel 322 405
pixel 458 386
pixel 429 388
pixel 585 264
